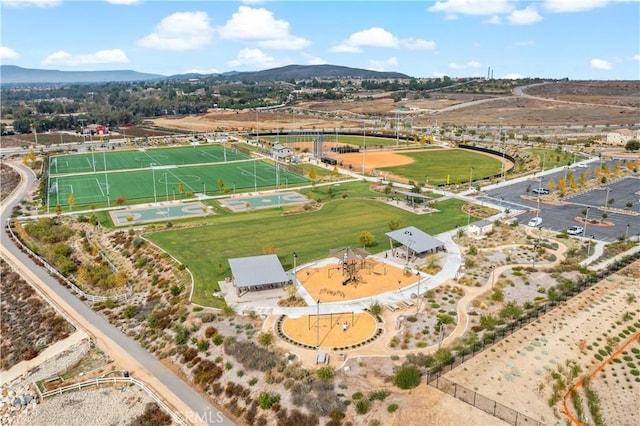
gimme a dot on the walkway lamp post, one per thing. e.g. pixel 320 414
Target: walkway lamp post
pixel 295 259
pixel 492 276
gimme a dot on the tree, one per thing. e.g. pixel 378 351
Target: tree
pixel 334 172
pixel 220 184
pixel 582 180
pixel 180 188
pixel 366 238
pixel 562 184
pixel 393 224
pixel 551 184
pixel 71 199
pixel 121 278
pixel 632 145
pixel 312 174
pixel 58 209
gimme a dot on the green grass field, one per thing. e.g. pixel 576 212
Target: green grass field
pixel 142 158
pixel 446 166
pixel 138 185
pixel 206 249
pixel 552 158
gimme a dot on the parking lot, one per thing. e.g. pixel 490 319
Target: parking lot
pixel 625 194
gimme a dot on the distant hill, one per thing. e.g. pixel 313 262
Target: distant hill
pixel 307 72
pixel 12 74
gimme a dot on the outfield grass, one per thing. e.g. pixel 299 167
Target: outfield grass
pixel 206 249
pixel 331 140
pixel 446 166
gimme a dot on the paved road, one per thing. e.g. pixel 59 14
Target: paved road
pixel 190 405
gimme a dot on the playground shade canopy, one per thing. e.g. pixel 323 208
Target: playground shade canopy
pixel 416 240
pixel 258 272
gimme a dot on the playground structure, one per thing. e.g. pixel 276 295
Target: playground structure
pixel 352 262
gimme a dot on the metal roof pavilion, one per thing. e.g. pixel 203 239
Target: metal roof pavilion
pixel 415 239
pixel 257 271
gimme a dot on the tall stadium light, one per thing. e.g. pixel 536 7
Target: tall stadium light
pixel 255 176
pixel 106 179
pixel 166 186
pixel 153 176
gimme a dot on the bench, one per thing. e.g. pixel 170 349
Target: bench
pixel 407 303
pixel 322 358
pixel 392 307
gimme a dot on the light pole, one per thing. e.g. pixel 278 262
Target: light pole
pixel 418 301
pixel 153 175
pixel 589 245
pixel 626 233
pixel 166 186
pixel 295 259
pixel 606 201
pixel 586 220
pixel 441 330
pixel 470 177
pixel 318 324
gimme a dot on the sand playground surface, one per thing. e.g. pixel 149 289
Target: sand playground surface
pixel 334 329
pixel 325 283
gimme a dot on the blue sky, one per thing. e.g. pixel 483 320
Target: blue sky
pixel 578 39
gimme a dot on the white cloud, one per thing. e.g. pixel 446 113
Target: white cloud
pixel 100 57
pixel 379 37
pixel 470 64
pixel 494 20
pixel 526 16
pixel 563 6
pixel 524 43
pixel 29 3
pixel 636 58
pixel 418 44
pixel 249 24
pixel 600 64
pixel 253 58
pixel 124 2
pixel 8 53
pixel 384 65
pixel 513 76
pixel 180 31
pixel 451 8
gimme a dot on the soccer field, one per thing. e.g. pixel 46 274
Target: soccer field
pixel 163 183
pixel 142 158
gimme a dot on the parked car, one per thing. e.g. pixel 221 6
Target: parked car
pixel 535 221
pixel 575 230
pixel 540 191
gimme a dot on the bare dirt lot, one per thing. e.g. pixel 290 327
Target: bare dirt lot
pixel 580 103
pixel 519 371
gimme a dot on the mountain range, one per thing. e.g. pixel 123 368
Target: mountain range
pixel 12 74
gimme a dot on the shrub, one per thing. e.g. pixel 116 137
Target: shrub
pixel 362 406
pixel 379 395
pixel 407 377
pixel 392 407
pixel 266 400
pixel 356 396
pixel 326 373
pixel 265 339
